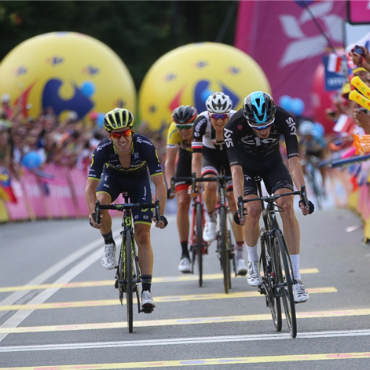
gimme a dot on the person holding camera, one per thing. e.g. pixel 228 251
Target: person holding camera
pixel 254 134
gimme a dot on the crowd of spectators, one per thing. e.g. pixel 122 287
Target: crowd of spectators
pixel 65 143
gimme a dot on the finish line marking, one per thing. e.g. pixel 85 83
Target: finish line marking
pixel 202 362
pixel 84 284
pixel 186 321
pixel 182 341
pixel 184 298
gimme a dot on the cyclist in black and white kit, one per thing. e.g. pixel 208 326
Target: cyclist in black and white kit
pixel 252 138
pixel 209 157
pixel 120 163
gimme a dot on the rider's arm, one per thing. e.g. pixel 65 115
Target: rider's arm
pixel 170 164
pixel 196 163
pixel 90 194
pixel 160 191
pixel 238 181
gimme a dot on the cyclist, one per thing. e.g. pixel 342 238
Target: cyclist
pixel 120 163
pixel 179 138
pixel 312 144
pixel 253 136
pixel 209 157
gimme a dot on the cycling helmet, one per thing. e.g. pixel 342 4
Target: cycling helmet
pixel 118 118
pixel 305 128
pixel 259 109
pixel 219 102
pixel 184 114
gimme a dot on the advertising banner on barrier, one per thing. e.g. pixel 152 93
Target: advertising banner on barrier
pixel 77 180
pixel 59 195
pixel 35 195
pixel 21 210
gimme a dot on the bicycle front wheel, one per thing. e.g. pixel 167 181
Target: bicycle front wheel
pixel 270 265
pixel 199 241
pixel 225 260
pixel 129 280
pixel 283 257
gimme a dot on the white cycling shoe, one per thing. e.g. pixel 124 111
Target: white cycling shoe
pixel 108 260
pixel 184 265
pixel 209 232
pixel 241 267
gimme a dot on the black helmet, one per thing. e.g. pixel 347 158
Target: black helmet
pixel 118 118
pixel 184 114
pixel 259 109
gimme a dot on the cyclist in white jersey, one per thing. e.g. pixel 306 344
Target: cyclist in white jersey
pixel 208 158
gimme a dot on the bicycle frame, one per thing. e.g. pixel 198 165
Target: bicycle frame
pixel 275 258
pixel 128 270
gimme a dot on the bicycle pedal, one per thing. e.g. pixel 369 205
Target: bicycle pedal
pixel 116 284
pixel 149 309
pixel 262 291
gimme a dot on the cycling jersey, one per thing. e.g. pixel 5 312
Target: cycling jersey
pixel 262 156
pixel 143 157
pixel 314 146
pixel 214 155
pixel 244 147
pixel 134 179
pixel 205 134
pixel 174 139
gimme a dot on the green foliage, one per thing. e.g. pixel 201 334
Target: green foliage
pixel 140 32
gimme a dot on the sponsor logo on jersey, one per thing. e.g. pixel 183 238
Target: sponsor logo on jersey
pixel 227 137
pixel 291 123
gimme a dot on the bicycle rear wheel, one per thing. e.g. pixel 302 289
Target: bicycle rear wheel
pixel 270 265
pixel 282 255
pixel 225 260
pixel 199 241
pixel 129 281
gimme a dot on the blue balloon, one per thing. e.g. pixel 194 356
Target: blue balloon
pixel 285 102
pixel 100 119
pixel 31 160
pixel 297 107
pixel 205 94
pixel 318 129
pixel 88 88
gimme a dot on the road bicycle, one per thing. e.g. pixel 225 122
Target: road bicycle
pixel 128 275
pixel 198 246
pixel 278 277
pixel 225 247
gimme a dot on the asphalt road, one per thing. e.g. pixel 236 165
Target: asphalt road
pixel 59 309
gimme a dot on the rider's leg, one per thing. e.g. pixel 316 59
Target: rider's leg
pixel 145 252
pixel 183 204
pixel 210 199
pixel 291 230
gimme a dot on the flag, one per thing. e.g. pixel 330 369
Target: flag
pixel 344 125
pixel 6 191
pixel 335 63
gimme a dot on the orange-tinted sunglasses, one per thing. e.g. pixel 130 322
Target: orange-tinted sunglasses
pixel 117 135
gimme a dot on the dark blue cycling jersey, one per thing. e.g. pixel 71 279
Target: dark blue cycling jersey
pixel 143 157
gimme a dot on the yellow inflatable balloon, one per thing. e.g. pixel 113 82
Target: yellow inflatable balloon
pixel 189 74
pixel 66 71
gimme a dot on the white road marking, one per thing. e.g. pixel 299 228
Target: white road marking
pixel 176 341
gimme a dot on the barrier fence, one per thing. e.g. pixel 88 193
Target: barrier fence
pixel 59 192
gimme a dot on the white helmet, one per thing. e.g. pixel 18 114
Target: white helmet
pixel 305 128
pixel 219 102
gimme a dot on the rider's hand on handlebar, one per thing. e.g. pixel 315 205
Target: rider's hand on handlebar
pixel 304 209
pixel 191 193
pixel 162 223
pixel 237 219
pixel 171 194
pixel 92 221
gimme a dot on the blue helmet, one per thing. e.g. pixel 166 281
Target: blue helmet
pixel 259 109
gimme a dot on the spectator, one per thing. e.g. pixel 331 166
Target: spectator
pixel 5 101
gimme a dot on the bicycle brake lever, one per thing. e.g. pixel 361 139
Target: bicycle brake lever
pixel 97 212
pixel 240 207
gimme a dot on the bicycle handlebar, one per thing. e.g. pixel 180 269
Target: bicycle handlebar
pixel 272 198
pixel 122 207
pixel 195 179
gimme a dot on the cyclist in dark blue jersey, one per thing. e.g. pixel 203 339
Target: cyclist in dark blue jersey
pixel 252 139
pixel 121 163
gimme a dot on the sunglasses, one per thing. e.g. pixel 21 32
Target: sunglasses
pixel 217 116
pixel 184 127
pixel 264 127
pixel 117 135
